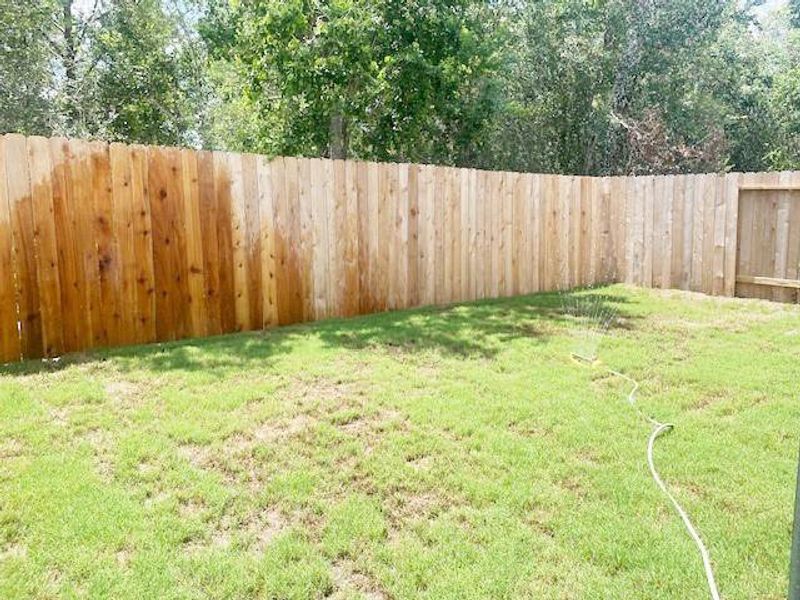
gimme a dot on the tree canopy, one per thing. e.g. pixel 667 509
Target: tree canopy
pixel 573 86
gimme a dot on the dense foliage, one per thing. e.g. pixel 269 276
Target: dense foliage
pixel 578 86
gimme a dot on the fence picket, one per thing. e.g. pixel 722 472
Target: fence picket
pixel 104 245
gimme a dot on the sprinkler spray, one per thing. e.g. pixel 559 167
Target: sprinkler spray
pixel 590 320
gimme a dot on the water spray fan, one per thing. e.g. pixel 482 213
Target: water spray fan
pixel 590 318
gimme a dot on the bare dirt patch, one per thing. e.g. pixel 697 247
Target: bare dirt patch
pixel 424 505
pixel 121 391
pixel 264 527
pixel 100 443
pixel 59 416
pixel 11 448
pixel 123 557
pixel 255 531
pixel 321 393
pixel 13 551
pixel 190 508
pixel 272 431
pixel 347 580
pixel 420 463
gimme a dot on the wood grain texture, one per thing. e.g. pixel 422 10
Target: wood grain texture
pixel 10 342
pixel 122 223
pixel 106 245
pixel 20 207
pixel 266 232
pixel 46 244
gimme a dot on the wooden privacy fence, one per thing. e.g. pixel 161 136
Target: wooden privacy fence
pixel 107 245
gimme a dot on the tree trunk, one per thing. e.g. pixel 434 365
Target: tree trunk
pixel 69 55
pixel 625 79
pixel 337 136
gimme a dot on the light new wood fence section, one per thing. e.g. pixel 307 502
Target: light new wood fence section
pixel 107 245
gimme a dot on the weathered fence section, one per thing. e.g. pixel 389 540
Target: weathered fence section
pixel 111 244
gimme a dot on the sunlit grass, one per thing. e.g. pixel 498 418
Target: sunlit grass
pixel 453 453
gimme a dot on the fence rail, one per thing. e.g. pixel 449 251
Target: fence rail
pixel 112 244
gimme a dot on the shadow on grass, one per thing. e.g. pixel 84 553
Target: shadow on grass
pixel 480 328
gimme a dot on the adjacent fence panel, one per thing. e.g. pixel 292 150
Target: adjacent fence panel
pixel 105 245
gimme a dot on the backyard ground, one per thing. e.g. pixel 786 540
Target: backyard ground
pixel 435 453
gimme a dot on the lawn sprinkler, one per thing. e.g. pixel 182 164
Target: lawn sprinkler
pixel 590 319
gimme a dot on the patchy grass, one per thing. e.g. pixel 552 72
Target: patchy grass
pixel 435 453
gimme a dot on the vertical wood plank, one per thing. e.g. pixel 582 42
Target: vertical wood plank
pixel 709 213
pixel 208 200
pixel 332 301
pixel 731 229
pixel 334 270
pixel 784 199
pixel 718 252
pixel 22 230
pixel 465 232
pixel 570 232
pixel 793 258
pixel 287 227
pixel 657 240
pixel 364 241
pixel 143 246
pixel 240 275
pixel 518 240
pixel 666 231
pixel 79 175
pixel 320 263
pixel 481 243
pixel 688 231
pixel 252 237
pixel 266 214
pixel 164 199
pixel 583 217
pixel 698 228
pixel 535 224
pixel 629 190
pixel 122 223
pixel 745 236
pixel 440 187
pixel 337 231
pixel 374 199
pixel 401 228
pixel 76 328
pixel 427 241
pixel 107 256
pixel 551 247
pixel 594 253
pixel 413 282
pixel 677 219
pixel 392 234
pixel 607 265
pixel 489 239
pixel 10 343
pixel 195 284
pixel 448 234
pixel 305 202
pixel 387 182
pixel 45 241
pixel 352 241
pixel 648 184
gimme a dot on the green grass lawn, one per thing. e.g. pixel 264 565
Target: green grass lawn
pixel 435 453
